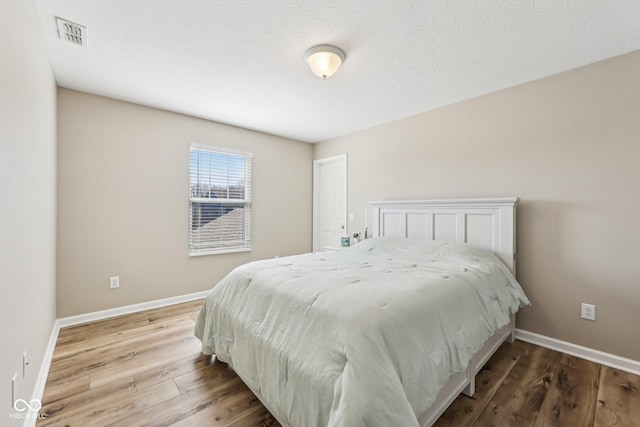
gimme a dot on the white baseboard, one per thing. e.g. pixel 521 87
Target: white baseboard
pixel 128 309
pixel 65 322
pixel 607 359
pixel 41 380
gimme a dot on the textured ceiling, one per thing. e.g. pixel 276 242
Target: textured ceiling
pixel 241 61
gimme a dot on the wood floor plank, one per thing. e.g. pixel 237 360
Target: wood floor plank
pixel 217 372
pixel 90 400
pixel 141 363
pixel 72 334
pixel 518 401
pixel 66 387
pixel 572 395
pixel 258 418
pixel 106 369
pixel 119 409
pixel 148 317
pixel 184 405
pixel 618 399
pixel 113 350
pixel 223 413
pixel 127 337
pixel 171 369
pixel 464 411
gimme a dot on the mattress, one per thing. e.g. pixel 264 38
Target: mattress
pixel 365 336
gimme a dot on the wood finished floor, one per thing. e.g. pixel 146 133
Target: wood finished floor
pixel 145 369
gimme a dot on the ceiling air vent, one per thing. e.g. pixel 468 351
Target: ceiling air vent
pixel 71 32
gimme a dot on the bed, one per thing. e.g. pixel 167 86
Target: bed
pixel 387 332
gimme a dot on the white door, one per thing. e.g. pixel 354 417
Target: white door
pixel 329 202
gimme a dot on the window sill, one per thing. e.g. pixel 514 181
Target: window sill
pixel 219 251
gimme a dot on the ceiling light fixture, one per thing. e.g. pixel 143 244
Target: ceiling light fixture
pixel 324 60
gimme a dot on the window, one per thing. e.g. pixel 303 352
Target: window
pixel 219 201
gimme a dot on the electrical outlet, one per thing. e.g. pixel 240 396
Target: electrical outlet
pixel 114 282
pixel 588 311
pixel 350 216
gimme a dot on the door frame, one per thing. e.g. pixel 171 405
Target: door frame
pixel 316 195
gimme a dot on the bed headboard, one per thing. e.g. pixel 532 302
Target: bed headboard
pixel 487 223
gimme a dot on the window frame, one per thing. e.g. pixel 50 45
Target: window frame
pixel 247 201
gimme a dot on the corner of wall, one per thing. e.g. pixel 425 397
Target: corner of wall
pixel 28 212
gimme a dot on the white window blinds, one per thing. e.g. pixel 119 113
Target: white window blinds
pixel 219 201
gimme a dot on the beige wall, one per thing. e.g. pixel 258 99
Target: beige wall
pixel 27 199
pixel 123 201
pixel 569 147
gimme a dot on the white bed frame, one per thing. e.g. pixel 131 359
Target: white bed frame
pixel 487 223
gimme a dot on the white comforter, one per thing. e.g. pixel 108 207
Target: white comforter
pixel 361 337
